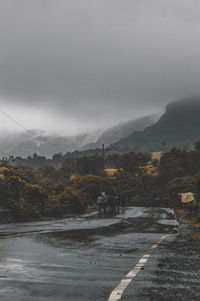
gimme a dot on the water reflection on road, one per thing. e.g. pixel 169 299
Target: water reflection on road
pixel 76 259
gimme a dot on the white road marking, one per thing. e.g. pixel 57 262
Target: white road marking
pixel 118 291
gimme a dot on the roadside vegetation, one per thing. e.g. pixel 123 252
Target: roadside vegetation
pixel 47 192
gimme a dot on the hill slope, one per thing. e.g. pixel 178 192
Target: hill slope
pixel 25 144
pixel 122 130
pixel 179 126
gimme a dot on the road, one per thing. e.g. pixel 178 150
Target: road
pixel 83 258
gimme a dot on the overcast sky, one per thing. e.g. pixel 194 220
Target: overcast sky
pixel 73 65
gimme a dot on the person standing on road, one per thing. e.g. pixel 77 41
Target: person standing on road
pixel 105 204
pixel 123 203
pixel 118 203
pixel 100 203
pixel 109 205
pixel 114 205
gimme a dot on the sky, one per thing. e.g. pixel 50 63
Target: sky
pixel 69 66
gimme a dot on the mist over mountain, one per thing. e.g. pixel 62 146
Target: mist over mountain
pixel 179 126
pixel 115 133
pixel 25 144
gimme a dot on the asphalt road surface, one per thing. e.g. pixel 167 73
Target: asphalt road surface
pixel 84 258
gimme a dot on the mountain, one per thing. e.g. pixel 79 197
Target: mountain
pixel 115 133
pixel 35 141
pixel 25 144
pixel 179 126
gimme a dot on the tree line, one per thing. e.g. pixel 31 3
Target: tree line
pixel 71 189
pixel 31 194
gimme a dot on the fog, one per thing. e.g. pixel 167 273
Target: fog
pixel 70 66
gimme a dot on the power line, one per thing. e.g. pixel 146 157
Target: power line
pixel 23 127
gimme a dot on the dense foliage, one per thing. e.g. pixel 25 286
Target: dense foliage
pixel 35 193
pixel 49 192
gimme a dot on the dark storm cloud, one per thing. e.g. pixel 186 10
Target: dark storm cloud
pixel 98 61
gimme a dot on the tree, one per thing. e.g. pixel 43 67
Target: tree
pixel 132 161
pixel 71 201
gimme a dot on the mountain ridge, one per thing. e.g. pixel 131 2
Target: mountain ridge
pixel 26 144
pixel 115 133
pixel 179 126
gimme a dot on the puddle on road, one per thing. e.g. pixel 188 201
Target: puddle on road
pixel 135 225
pixel 88 230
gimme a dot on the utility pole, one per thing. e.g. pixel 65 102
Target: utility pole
pixel 163 145
pixel 102 168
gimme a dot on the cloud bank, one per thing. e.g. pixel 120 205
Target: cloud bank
pixel 74 65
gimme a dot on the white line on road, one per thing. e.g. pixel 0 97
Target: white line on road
pixel 118 291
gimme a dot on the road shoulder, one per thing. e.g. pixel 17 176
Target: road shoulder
pixel 177 272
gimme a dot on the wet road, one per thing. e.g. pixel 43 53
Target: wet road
pixel 80 259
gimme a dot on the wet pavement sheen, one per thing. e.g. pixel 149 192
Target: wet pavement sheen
pixel 80 259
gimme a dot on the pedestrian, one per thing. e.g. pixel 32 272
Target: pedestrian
pixel 123 203
pixel 109 205
pixel 113 204
pixel 105 204
pixel 100 203
pixel 118 203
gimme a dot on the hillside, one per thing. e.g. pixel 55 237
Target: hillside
pixel 25 144
pixel 179 126
pixel 122 130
